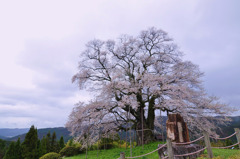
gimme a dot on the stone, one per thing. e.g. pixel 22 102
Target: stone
pixel 177 129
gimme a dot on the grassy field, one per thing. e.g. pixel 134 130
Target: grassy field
pixel 115 153
pixel 223 154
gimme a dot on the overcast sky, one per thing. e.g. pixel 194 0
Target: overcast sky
pixel 41 43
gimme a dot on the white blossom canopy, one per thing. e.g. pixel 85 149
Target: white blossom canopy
pixel 143 73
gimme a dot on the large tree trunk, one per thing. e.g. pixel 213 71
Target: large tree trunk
pixel 147 133
pixel 145 127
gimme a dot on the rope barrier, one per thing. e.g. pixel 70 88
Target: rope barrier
pixel 185 143
pixel 226 146
pixel 176 144
pixel 188 154
pixel 224 137
pixel 148 153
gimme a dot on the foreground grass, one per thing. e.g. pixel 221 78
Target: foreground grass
pixel 115 153
pixel 223 154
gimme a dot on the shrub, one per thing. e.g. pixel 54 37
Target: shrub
pixel 106 146
pixel 106 143
pixel 101 146
pixel 74 143
pixel 94 146
pixel 70 151
pixel 51 155
pixel 115 144
pixel 124 145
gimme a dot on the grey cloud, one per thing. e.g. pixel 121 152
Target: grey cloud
pixel 53 64
pixel 206 31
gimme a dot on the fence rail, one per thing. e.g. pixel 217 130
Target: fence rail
pixel 149 152
pixel 192 153
pixel 224 137
pixel 226 146
pixel 186 143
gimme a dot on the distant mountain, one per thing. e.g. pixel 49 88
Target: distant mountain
pixel 3 137
pixel 228 129
pixel 60 131
pixel 8 133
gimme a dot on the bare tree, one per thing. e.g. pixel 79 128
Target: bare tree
pixel 141 75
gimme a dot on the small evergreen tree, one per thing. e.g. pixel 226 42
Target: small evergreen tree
pixel 14 151
pixel 43 148
pixel 48 142
pixel 18 149
pixel 10 154
pixel 30 144
pixel 54 145
pixel 2 148
pixel 61 143
pixel 38 147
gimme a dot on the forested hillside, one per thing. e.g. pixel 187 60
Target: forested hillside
pixel 60 131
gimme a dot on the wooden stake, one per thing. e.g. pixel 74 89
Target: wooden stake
pixel 130 133
pixel 122 155
pixel 98 142
pixel 238 135
pixel 142 129
pixel 161 123
pixel 169 148
pixel 126 140
pixel 208 144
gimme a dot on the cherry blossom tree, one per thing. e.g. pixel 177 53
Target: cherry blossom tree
pixel 132 78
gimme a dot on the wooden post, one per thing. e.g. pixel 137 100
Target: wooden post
pixel 169 149
pixel 99 139
pixel 208 144
pixel 130 132
pixel 161 123
pixel 130 143
pixel 135 137
pixel 122 155
pixel 142 129
pixel 126 138
pixel 238 135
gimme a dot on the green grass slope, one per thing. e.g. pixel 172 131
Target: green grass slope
pixel 115 153
pixel 223 154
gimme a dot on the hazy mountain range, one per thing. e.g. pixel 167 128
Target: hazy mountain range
pixel 8 133
pixel 14 134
